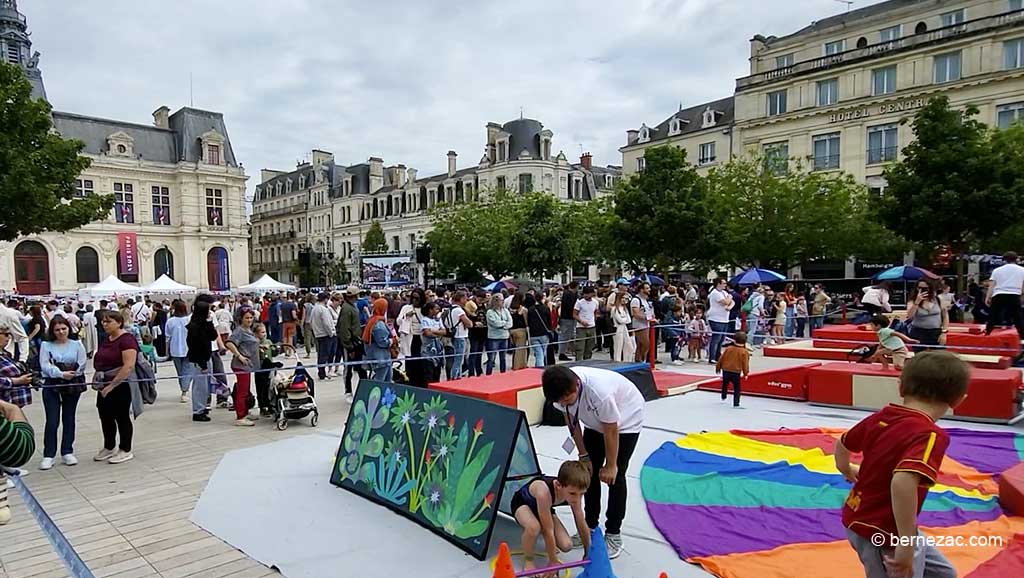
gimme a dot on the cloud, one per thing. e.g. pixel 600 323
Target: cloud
pixel 405 80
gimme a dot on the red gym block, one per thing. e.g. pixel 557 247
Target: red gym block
pixel 807 350
pixel 784 382
pixel 962 338
pixel 672 383
pixel 500 388
pixel 1011 490
pixel 991 393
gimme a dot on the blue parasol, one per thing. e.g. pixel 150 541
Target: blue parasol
pixel 905 273
pixel 755 276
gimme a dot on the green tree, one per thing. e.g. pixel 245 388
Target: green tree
pixel 659 217
pixel 37 167
pixel 777 220
pixel 958 185
pixel 374 241
pixel 472 238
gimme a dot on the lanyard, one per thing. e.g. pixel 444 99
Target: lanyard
pixel 574 420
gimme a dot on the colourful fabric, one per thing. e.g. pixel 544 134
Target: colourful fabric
pixel 761 503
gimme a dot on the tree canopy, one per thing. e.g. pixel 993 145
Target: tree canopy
pixel 38 168
pixel 958 184
pixel 374 241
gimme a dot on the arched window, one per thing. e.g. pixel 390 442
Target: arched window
pixel 163 263
pixel 862 42
pixel 87 265
pixel 217 269
pixel 921 28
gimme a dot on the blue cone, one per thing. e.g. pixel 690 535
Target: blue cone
pixel 600 566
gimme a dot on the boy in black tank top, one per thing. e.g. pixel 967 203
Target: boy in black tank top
pixel 534 508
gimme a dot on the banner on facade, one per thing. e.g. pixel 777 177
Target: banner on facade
pixel 388 271
pixel 128 253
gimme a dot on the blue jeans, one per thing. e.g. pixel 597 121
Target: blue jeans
pixel 182 368
pixel 60 405
pixel 499 347
pixel 382 371
pixel 325 350
pixel 539 345
pixel 459 351
pixel 753 325
pixel 718 331
pixel 789 330
pixel 817 321
pixel 474 364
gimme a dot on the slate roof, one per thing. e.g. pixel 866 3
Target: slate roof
pixel 179 143
pixel 694 115
pixel 850 17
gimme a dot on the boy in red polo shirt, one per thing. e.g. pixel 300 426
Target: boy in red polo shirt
pixel 902 450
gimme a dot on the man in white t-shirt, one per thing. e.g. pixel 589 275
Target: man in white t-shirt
pixel 643 313
pixel 720 302
pixel 1004 290
pixel 585 314
pixel 605 413
pixel 458 323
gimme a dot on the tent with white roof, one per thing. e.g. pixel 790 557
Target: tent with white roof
pixel 166 285
pixel 111 287
pixel 266 283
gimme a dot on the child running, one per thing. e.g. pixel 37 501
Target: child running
pixel 732 364
pixel 902 449
pixel 534 508
pixel 891 343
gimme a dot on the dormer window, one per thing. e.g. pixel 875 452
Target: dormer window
pixel 709 118
pixel 279 187
pixel 120 144
pixel 502 151
pixel 302 182
pixel 213 154
pixel 288 186
pixel 644 135
pixel 676 126
pixel 212 143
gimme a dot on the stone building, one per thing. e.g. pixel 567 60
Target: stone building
pixel 833 95
pixel 517 157
pixel 179 198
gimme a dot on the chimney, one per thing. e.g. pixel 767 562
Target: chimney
pixel 401 176
pixel 451 163
pixel 586 160
pixel 631 136
pixel 320 157
pixel 160 117
pixel 376 173
pixel 411 176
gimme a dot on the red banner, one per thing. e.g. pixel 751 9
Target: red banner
pixel 128 254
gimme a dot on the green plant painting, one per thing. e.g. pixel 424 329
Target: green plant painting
pixel 438 458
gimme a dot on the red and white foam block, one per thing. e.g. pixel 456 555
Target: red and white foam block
pixel 520 389
pixel 784 383
pixel 992 394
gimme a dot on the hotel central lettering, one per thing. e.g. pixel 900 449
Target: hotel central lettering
pixel 873 110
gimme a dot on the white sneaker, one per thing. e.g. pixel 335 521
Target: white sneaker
pixel 69 460
pixel 184 398
pixel 244 422
pixel 120 457
pixel 46 464
pixel 613 542
pixel 104 455
pixel 348 398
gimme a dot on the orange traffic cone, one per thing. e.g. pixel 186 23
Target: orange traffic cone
pixel 503 566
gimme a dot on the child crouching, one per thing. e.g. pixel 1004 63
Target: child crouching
pixel 891 343
pixel 534 508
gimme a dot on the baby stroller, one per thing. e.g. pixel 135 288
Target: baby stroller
pixel 292 398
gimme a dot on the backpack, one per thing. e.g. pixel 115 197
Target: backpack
pixel 145 378
pixel 748 305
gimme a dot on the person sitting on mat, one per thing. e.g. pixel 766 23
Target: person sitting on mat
pixel 534 508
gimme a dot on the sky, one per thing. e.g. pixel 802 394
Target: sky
pixel 404 80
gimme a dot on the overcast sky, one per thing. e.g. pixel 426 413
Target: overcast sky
pixel 405 80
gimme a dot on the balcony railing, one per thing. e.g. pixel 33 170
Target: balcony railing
pixel 826 163
pixel 276 237
pixel 882 155
pixel 300 208
pixel 956 31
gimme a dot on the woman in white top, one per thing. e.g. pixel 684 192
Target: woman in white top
pixel 410 330
pixel 623 346
pixel 876 299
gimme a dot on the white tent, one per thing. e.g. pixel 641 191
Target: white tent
pixel 166 285
pixel 266 283
pixel 111 286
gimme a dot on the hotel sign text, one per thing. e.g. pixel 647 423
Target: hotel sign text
pixel 877 109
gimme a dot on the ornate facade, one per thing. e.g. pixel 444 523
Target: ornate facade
pixel 179 198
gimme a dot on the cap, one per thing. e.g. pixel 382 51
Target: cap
pixel 352 290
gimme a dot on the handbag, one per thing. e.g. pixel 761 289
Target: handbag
pixel 552 336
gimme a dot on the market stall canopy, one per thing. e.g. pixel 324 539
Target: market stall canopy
pixel 111 286
pixel 267 283
pixel 167 285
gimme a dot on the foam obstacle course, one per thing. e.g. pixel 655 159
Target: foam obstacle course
pixel 806 349
pixel 962 338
